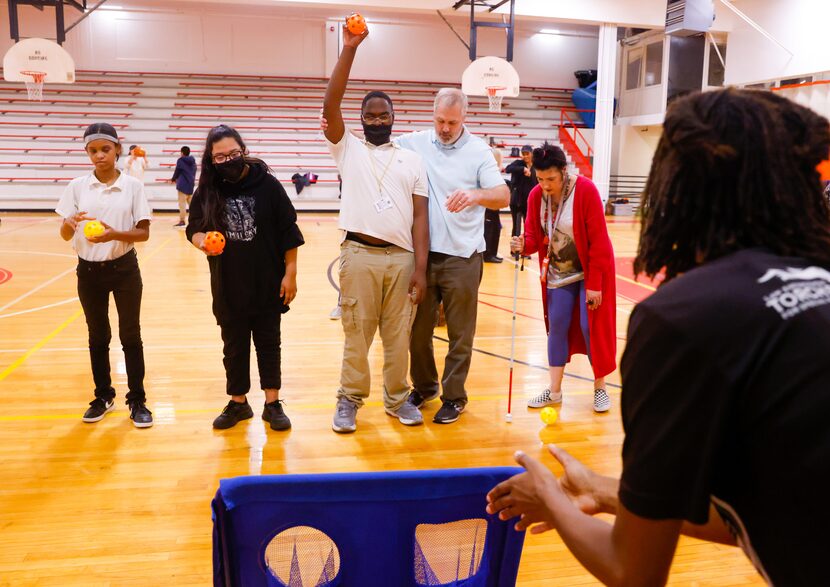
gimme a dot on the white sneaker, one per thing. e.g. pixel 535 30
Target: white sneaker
pixel 407 414
pixel 546 398
pixel 336 313
pixel 602 403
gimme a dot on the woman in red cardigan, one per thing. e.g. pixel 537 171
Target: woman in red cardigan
pixel 577 269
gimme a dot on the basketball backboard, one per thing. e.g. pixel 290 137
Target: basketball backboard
pixel 40 56
pixel 490 72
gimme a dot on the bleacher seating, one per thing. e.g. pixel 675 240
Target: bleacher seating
pixel 41 147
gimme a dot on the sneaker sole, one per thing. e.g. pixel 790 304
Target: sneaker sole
pixel 344 429
pixel 215 427
pixel 544 405
pixel 461 411
pixel 101 417
pixel 602 410
pixel 404 421
pixel 280 428
pixel 142 424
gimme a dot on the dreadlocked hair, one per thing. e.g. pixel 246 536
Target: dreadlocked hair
pixel 735 169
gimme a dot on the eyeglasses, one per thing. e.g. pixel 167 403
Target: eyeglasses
pixel 221 157
pixel 382 119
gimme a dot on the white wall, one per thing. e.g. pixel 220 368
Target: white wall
pixel 633 149
pixel 279 40
pixel 800 25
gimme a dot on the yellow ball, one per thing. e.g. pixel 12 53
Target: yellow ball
pixel 548 415
pixel 93 228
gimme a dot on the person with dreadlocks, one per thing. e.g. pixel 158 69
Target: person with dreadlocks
pixel 565 225
pixel 725 375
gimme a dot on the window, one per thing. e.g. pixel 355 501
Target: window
pixel 716 70
pixel 654 64
pixel 634 69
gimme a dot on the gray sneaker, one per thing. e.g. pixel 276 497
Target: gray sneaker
pixel 344 416
pixel 407 414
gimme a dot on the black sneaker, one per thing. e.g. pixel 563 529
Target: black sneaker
pixel 98 408
pixel 449 412
pixel 233 413
pixel 418 400
pixel 140 415
pixel 274 414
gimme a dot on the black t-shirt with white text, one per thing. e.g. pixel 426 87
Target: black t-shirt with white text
pixel 726 400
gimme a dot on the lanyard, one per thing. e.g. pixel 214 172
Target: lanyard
pixel 550 222
pixel 379 180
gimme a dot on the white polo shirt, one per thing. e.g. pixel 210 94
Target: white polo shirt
pixel 378 184
pixel 122 206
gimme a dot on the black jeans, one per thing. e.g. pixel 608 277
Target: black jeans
pixel 95 282
pixel 236 334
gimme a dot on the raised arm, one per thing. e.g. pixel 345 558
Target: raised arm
pixel 337 85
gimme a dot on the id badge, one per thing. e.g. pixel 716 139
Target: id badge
pixel 543 275
pixel 384 203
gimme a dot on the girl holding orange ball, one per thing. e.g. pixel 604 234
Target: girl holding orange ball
pixel 104 213
pixel 253 267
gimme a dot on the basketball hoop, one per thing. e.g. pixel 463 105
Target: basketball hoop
pixel 493 99
pixel 34 87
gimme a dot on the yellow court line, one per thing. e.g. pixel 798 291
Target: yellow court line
pixel 8 370
pixel 40 344
pixel 624 278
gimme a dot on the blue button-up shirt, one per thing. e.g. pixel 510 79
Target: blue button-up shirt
pixel 467 164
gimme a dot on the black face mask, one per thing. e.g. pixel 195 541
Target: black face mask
pixel 377 134
pixel 231 171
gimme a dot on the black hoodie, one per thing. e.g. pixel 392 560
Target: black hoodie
pixel 260 226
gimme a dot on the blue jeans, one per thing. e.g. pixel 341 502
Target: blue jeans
pixel 561 302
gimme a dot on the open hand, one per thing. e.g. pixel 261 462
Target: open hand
pixel 461 200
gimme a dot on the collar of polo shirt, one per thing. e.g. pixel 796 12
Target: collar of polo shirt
pixel 95 182
pixel 463 138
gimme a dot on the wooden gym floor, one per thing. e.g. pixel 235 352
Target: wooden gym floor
pixel 109 504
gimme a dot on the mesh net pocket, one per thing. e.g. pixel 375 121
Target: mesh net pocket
pixel 302 556
pixel 448 553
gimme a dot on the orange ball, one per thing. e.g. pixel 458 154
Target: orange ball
pixel 356 24
pixel 214 242
pixel 139 152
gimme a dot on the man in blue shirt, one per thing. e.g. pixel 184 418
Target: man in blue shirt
pixel 463 180
pixel 185 179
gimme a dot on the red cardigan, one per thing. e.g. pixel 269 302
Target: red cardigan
pixel 596 255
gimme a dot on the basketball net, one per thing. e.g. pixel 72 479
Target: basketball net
pixel 493 99
pixel 34 87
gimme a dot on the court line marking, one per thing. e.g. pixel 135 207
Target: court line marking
pixel 284 344
pixel 11 368
pixel 39 308
pixel 36 289
pixel 39 253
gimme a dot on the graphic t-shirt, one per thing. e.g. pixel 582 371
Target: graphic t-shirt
pixel 564 267
pixel 260 225
pixel 726 394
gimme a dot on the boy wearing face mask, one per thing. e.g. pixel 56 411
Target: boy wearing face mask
pixel 383 252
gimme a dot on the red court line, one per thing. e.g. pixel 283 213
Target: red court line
pixel 484 293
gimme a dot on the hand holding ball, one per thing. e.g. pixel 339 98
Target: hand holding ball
pixel 356 24
pixel 93 228
pixel 214 242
